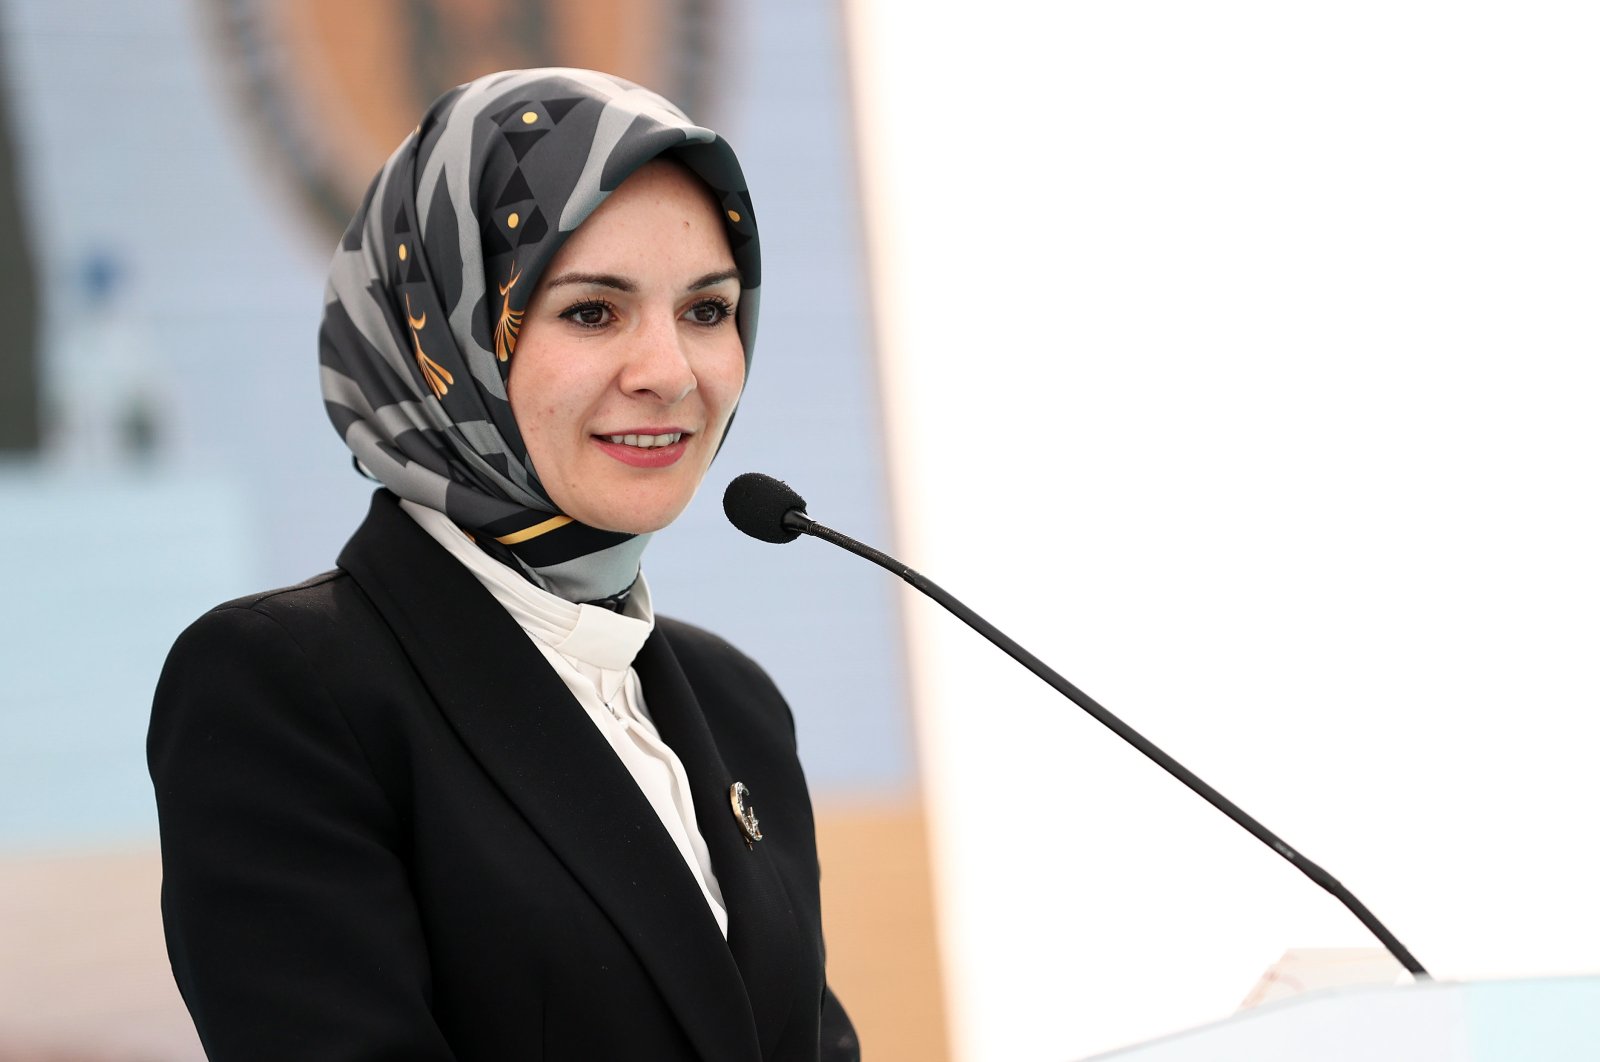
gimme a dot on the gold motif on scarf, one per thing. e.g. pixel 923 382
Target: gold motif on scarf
pixel 437 375
pixel 505 329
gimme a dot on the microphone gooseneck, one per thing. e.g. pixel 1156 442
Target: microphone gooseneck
pixel 772 511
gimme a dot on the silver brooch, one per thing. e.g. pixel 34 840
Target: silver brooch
pixel 739 800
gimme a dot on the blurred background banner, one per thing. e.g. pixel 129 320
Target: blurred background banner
pixel 173 177
pixel 1239 359
pixel 331 88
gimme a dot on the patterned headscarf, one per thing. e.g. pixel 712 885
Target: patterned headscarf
pixel 428 286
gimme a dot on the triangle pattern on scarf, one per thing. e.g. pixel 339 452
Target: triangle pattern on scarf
pixel 522 142
pixel 532 230
pixel 506 114
pixel 557 109
pixel 499 462
pixel 515 191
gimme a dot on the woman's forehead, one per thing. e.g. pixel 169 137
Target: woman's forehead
pixel 662 217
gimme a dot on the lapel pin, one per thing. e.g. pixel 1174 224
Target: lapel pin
pixel 739 799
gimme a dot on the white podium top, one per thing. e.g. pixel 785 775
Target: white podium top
pixel 1554 1019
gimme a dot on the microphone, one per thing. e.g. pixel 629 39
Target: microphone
pixel 762 507
pixel 769 509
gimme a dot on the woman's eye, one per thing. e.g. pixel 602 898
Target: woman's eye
pixel 589 314
pixel 710 312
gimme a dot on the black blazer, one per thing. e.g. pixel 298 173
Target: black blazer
pixel 389 832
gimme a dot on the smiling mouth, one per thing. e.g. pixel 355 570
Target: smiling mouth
pixel 645 442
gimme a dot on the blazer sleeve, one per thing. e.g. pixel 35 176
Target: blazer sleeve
pixel 289 921
pixel 838 1036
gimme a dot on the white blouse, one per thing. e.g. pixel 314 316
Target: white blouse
pixel 592 649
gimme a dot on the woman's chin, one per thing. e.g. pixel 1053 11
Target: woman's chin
pixel 609 496
pixel 642 518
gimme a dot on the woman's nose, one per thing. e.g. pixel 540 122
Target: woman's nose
pixel 658 365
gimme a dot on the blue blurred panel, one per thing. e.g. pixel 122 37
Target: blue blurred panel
pixel 133 153
pixel 101 574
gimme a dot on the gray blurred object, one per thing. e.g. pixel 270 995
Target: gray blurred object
pixel 20 427
pixel 104 382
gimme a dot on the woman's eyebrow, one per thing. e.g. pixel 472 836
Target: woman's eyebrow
pixel 611 280
pixel 714 278
pixel 599 280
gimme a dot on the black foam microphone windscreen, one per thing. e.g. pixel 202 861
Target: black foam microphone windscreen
pixel 756 504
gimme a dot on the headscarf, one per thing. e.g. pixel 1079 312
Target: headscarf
pixel 428 287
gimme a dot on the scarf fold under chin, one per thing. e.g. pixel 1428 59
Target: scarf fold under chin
pixel 426 293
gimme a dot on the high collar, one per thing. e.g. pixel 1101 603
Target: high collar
pixel 583 633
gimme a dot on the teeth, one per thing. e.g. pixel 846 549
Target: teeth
pixel 647 442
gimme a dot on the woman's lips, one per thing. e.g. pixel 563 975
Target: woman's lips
pixel 645 449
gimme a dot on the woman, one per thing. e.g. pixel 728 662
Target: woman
pixel 465 797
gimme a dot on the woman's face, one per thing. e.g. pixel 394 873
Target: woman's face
pixel 628 364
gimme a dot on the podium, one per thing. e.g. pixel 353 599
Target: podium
pixel 1537 1020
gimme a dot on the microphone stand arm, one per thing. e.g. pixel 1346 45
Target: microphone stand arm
pixel 797 521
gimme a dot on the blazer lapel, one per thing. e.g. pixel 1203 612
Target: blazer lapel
pixel 763 933
pixel 525 729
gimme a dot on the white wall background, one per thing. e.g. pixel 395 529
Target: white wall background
pixel 1242 362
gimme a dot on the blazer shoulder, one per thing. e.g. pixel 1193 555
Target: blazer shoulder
pixel 309 611
pixel 324 629
pixel 310 666
pixel 697 646
pixel 718 669
pixel 313 594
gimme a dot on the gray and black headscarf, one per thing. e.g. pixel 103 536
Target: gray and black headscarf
pixel 427 290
